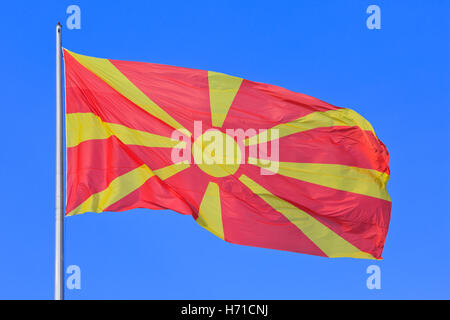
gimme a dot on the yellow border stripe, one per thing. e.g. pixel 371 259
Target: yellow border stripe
pixel 123 185
pixel 347 178
pixel 210 211
pixel 87 126
pixel 320 119
pixel 222 90
pixel 106 71
pixel 328 241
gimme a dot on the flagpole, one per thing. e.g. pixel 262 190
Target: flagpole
pixel 59 193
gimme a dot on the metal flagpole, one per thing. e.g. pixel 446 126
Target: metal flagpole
pixel 59 194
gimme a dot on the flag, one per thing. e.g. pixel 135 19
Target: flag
pixel 253 163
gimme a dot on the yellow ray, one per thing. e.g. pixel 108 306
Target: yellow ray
pixel 320 119
pixel 167 172
pixel 123 185
pixel 106 71
pixel 87 126
pixel 222 90
pixel 210 212
pixel 116 190
pixel 352 179
pixel 326 239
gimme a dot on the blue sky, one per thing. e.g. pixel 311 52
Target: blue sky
pixel 397 77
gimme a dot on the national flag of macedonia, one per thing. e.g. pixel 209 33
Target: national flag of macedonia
pixel 321 191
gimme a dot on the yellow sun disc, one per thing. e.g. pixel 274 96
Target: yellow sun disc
pixel 216 153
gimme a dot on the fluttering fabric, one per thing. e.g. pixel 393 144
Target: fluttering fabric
pixel 255 164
